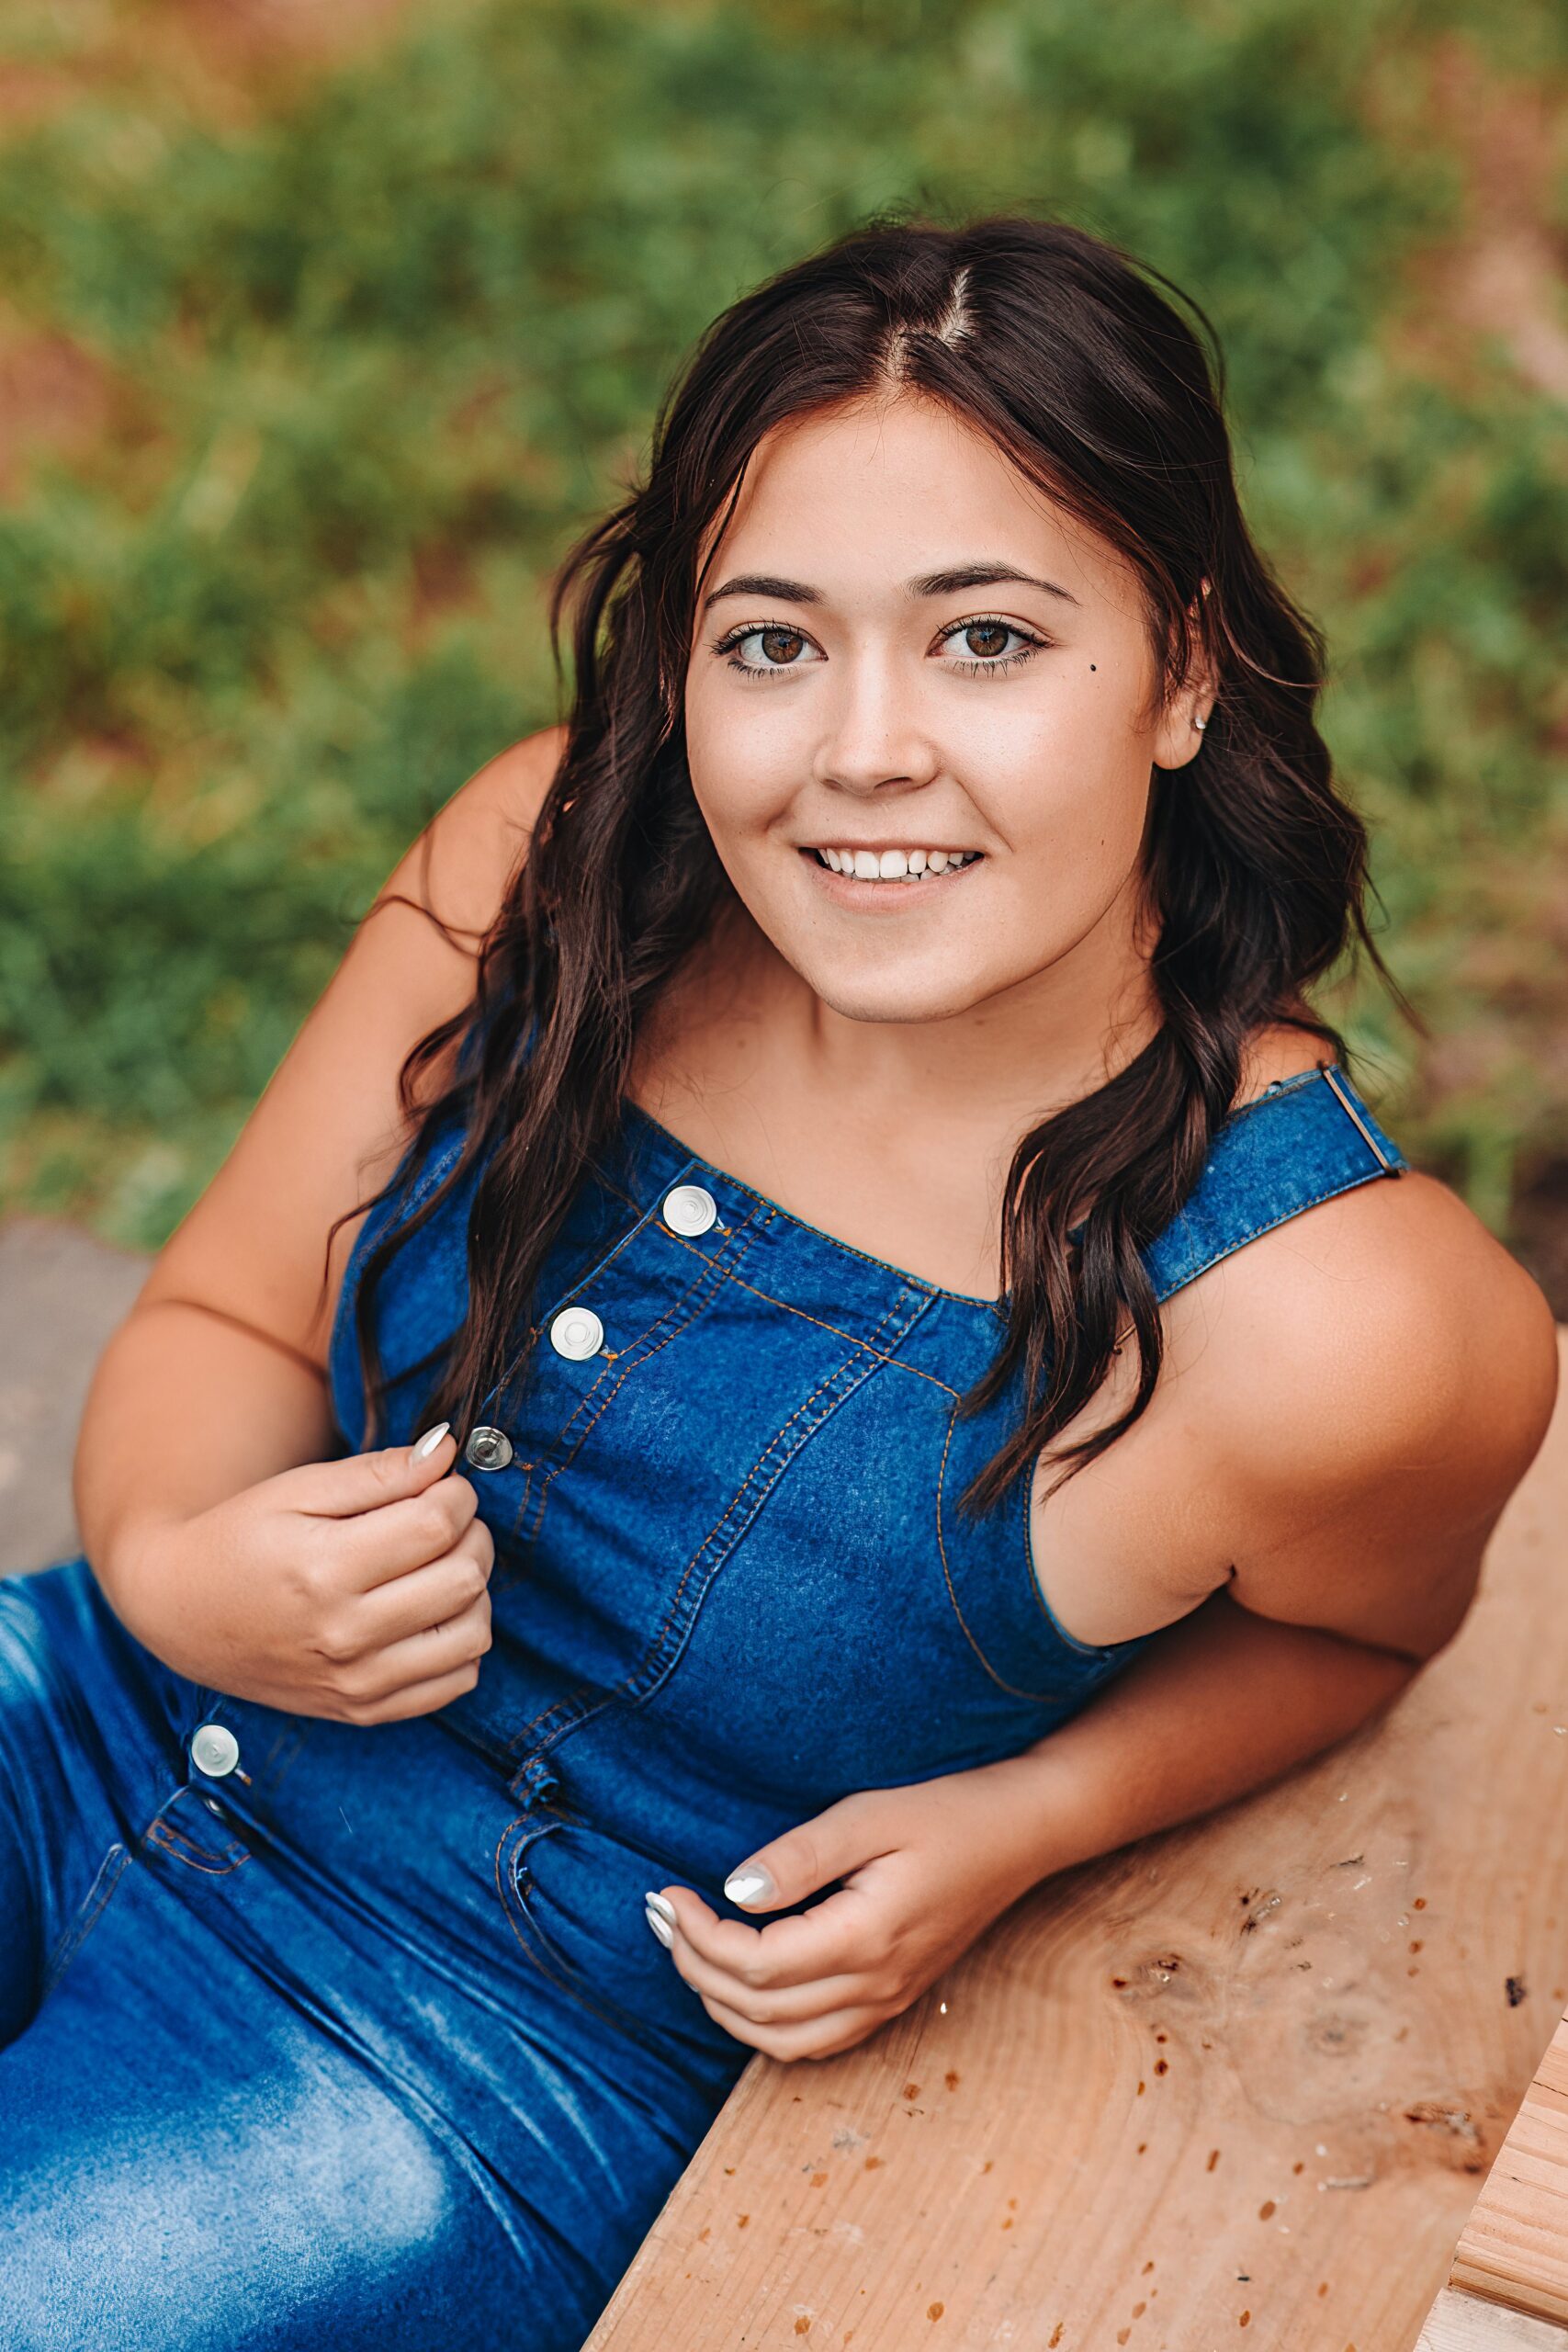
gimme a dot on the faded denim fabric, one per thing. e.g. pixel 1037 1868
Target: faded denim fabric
pixel 365 2041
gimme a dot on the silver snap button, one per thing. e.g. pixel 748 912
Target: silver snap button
pixel 213 1806
pixel 215 1749
pixel 488 1449
pixel 576 1333
pixel 689 1210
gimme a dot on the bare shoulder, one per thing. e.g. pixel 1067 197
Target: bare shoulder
pixel 1382 1320
pixel 1373 1379
pixel 329 1129
pixel 461 864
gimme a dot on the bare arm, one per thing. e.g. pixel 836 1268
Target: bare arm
pixel 1363 1521
pixel 217 1378
pixel 1362 1496
pixel 1219 1705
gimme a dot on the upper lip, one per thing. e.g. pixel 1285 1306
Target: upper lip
pixel 927 841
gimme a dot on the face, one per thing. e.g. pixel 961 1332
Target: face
pixel 918 718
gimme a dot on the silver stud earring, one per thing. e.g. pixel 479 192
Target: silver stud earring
pixel 1199 724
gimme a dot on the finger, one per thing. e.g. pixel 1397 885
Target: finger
pixel 821 2038
pixel 441 1649
pixel 378 1544
pixel 785 2005
pixel 834 1938
pixel 414 1604
pixel 416 1699
pixel 808 1857
pixel 365 1481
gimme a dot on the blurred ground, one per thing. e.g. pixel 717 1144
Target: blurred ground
pixel 61 1292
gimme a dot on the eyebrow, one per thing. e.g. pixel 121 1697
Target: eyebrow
pixel 930 583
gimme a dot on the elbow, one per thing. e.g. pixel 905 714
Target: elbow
pixel 1444 1621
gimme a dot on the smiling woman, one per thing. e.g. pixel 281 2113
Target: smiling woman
pixel 872 1247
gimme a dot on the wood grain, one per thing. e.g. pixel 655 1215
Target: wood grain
pixel 1245 2076
pixel 1515 2244
pixel 1460 2323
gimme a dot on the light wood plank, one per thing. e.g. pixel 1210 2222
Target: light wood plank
pixel 1460 2323
pixel 1515 2244
pixel 1247 2074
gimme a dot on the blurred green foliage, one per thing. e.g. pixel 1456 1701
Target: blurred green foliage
pixel 360 357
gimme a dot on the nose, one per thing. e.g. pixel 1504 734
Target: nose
pixel 874 738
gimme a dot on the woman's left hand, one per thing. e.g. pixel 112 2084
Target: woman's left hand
pixel 924 1869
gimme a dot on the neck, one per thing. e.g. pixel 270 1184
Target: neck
pixel 1014 1057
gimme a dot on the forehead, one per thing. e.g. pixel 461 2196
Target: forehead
pixel 879 492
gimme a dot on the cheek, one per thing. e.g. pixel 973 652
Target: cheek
pixel 702 744
pixel 739 812
pixel 733 758
pixel 1074 815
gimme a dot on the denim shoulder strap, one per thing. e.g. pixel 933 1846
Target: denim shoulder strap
pixel 1303 1140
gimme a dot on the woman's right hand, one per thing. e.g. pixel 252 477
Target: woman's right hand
pixel 357 1590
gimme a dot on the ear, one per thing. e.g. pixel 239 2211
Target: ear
pixel 1178 738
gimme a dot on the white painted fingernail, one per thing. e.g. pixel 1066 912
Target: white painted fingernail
pixel 665 1908
pixel 666 1934
pixel 746 1885
pixel 431 1440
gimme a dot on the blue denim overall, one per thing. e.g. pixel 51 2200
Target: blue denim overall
pixel 356 2035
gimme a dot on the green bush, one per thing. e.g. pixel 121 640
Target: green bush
pixel 369 361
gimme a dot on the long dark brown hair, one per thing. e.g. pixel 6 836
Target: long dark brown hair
pixel 1065 352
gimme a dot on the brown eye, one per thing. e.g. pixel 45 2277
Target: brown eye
pixel 766 649
pixel 990 648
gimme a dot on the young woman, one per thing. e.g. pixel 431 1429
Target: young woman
pixel 846 1235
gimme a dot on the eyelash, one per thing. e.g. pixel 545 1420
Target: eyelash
pixel 730 644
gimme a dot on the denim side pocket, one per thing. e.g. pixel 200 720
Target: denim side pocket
pixel 574 1901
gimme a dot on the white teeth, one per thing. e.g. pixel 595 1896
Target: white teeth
pixel 895 865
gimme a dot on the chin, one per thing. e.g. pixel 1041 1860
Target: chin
pixel 881 997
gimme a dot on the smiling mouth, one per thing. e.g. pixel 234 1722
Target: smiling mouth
pixel 894 864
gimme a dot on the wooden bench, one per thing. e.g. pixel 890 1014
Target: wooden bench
pixel 1508 2284
pixel 1239 2083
